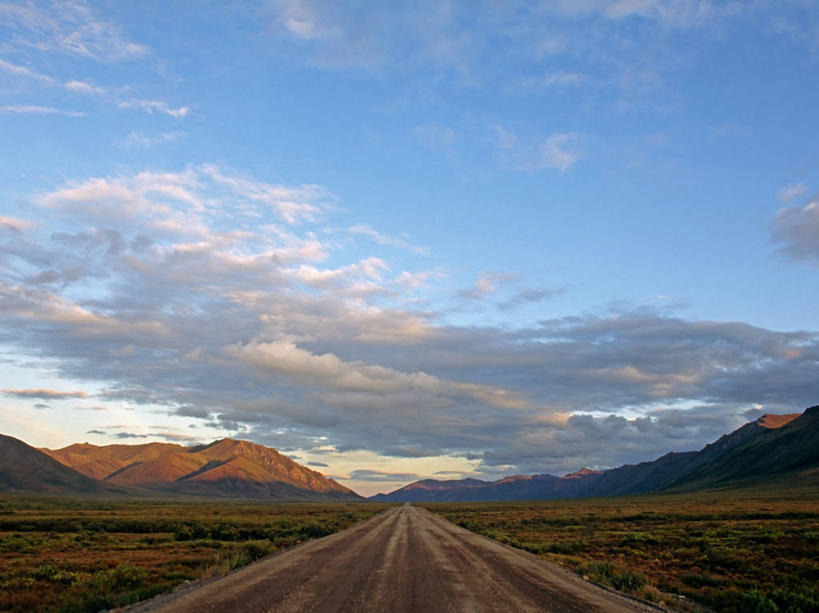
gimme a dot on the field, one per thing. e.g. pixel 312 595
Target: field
pixel 745 551
pixel 72 555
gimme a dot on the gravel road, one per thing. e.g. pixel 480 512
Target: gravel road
pixel 405 559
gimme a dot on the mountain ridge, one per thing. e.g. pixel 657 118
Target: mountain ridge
pixel 223 468
pixel 767 443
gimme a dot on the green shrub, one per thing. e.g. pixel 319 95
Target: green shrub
pixel 756 602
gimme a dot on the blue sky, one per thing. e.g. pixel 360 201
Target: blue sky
pixel 450 238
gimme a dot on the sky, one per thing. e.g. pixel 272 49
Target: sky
pixel 397 241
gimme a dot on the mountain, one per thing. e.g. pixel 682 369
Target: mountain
pixel 769 447
pixel 669 469
pixel 516 487
pixel 99 462
pixel 226 467
pixel 24 469
pixel 781 450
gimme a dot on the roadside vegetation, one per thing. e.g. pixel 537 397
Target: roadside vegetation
pixel 732 551
pixel 83 555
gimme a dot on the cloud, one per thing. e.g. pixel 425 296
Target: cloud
pixel 555 80
pixel 364 474
pixel 386 239
pixel 137 140
pixel 95 432
pixel 194 291
pixel 175 437
pixel 24 71
pixel 672 13
pixel 293 204
pixel 791 192
pixel 485 285
pixel 91 408
pixel 84 87
pixel 14 225
pixel 558 151
pixel 529 296
pixel 31 109
pixel 125 435
pixel 614 48
pixel 43 394
pixel 155 106
pixel 435 137
pixel 177 202
pixel 328 370
pixel 121 98
pixel 317 464
pixel 70 28
pixel 796 229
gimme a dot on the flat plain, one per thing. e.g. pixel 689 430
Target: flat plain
pixel 71 555
pixel 742 551
pixel 751 550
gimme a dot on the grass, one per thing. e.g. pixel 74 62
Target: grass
pixel 753 551
pixel 82 555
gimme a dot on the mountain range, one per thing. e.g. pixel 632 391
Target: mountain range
pixel 227 467
pixel 768 448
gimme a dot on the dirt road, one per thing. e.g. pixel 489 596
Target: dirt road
pixel 405 559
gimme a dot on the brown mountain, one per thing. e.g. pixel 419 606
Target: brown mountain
pixel 100 462
pixel 224 468
pixel 24 469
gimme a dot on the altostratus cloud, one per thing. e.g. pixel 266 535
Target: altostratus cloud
pixel 285 357
pixel 43 394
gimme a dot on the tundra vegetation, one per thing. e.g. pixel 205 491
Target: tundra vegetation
pixel 86 555
pixel 744 551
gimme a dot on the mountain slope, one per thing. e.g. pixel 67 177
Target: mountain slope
pixel 772 445
pixel 24 469
pixel 101 462
pixel 791 447
pixel 667 470
pixel 223 468
pixel 516 487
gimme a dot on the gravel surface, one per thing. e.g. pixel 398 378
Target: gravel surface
pixel 405 559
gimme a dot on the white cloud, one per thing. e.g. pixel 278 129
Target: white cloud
pixel 486 284
pixel 192 291
pixel 23 71
pixel 293 204
pixel 70 27
pixel 386 239
pixel 155 106
pixel 180 202
pixel 791 192
pixel 138 140
pixel 31 109
pixel 797 230
pixel 555 80
pixel 84 87
pixel 674 13
pixel 558 151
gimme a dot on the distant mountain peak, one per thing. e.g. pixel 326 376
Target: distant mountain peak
pixel 772 421
pixel 583 472
pixel 225 467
